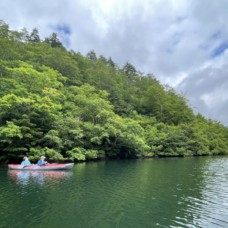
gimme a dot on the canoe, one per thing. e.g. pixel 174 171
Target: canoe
pixel 52 166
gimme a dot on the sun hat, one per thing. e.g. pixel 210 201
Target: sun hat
pixel 42 157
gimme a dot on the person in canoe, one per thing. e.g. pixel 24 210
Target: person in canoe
pixel 25 162
pixel 42 161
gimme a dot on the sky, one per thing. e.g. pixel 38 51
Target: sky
pixel 183 43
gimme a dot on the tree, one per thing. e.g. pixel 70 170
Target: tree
pixel 34 36
pixel 54 41
pixel 130 71
pixel 110 62
pixel 92 56
pixel 69 106
pixel 25 35
pixel 4 30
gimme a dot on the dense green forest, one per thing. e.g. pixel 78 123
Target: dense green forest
pixel 67 106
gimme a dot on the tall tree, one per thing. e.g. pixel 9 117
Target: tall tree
pixel 4 30
pixel 53 40
pixel 92 56
pixel 34 36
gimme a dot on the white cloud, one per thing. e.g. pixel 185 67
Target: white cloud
pixel 207 87
pixel 177 41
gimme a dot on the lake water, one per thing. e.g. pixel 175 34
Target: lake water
pixel 171 192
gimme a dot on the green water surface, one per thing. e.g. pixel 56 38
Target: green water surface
pixel 171 192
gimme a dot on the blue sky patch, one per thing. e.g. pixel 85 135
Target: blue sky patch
pixel 63 29
pixel 63 32
pixel 219 49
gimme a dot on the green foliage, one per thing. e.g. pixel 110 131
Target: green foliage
pixel 53 41
pixel 66 106
pixel 77 154
pixel 9 132
pixel 34 36
pixel 81 154
pixel 53 140
pixel 4 30
pixel 50 154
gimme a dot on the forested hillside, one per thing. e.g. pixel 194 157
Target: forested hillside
pixel 67 106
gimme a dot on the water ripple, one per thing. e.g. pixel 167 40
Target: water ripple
pixel 191 192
